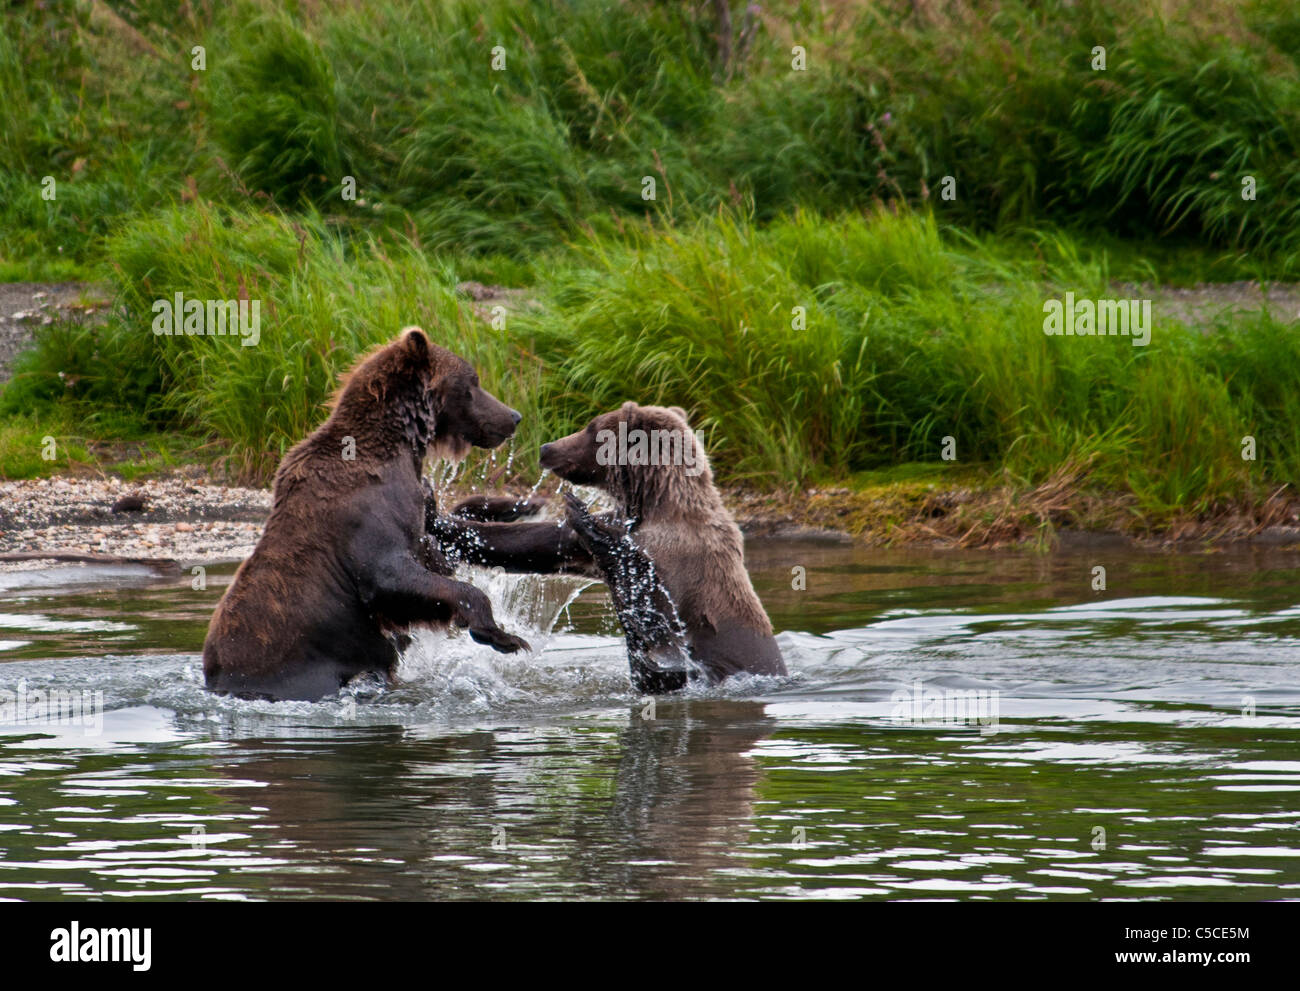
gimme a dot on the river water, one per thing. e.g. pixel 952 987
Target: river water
pixel 969 725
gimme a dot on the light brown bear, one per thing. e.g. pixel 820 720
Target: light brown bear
pixel 651 462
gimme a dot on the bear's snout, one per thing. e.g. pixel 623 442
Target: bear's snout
pixel 573 459
pixel 549 456
pixel 490 421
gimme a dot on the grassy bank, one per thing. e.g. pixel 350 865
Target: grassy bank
pixel 799 281
pixel 808 348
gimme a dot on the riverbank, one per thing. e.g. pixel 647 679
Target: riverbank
pixel 186 518
pixel 182 518
pixel 836 266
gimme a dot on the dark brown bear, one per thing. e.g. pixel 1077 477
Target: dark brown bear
pixel 648 459
pixel 343 567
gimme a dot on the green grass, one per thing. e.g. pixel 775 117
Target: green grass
pixel 400 96
pixel 911 335
pixel 937 474
pixel 37 446
pixel 921 317
pixel 78 438
pixel 323 302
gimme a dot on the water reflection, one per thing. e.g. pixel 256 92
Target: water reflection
pixel 387 813
pixel 683 800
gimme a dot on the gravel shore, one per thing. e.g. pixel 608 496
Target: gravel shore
pixel 182 519
pixel 187 519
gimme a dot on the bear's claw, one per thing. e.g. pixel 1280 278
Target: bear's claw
pixel 591 530
pixel 499 639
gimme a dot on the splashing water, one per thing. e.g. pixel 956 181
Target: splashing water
pixel 546 472
pixel 486 464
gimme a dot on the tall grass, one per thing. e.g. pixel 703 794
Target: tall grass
pixel 911 339
pixel 323 302
pixel 272 107
pixel 101 107
pixel 805 348
pixel 708 318
pixel 1001 97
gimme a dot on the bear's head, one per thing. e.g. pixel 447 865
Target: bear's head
pixel 421 396
pixel 646 457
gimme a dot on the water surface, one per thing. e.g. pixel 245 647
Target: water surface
pixel 969 725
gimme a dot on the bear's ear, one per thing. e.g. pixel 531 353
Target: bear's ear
pixel 680 412
pixel 417 342
pixel 629 407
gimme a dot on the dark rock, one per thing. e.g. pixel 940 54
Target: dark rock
pixel 133 503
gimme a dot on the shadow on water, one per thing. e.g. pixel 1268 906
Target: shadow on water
pixel 966 725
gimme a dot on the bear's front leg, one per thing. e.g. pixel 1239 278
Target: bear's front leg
pixel 496 509
pixel 471 609
pixel 657 653
pixel 545 548
pixel 396 587
pixel 407 594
